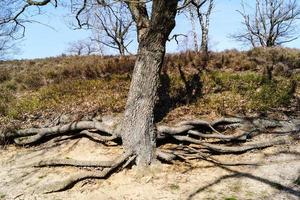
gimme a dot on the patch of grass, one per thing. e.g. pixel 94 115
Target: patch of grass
pixel 42 176
pixel 297 181
pixel 244 91
pixel 235 187
pixel 34 74
pixel 229 81
pixel 264 195
pixel 5 96
pixel 230 198
pixel 4 75
pixel 271 95
pixel 250 194
pixel 174 186
pixel 105 94
pixel 2 196
pixel 93 82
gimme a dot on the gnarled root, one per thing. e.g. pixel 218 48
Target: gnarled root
pixel 236 149
pixel 34 135
pixel 194 131
pixel 75 178
pixel 193 139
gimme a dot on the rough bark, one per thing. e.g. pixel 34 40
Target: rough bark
pixel 204 40
pixel 204 23
pixel 195 35
pixel 138 128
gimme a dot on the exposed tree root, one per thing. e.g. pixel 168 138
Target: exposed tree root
pixel 33 135
pixel 165 156
pixel 241 136
pixel 194 139
pixel 235 149
pixel 74 163
pixel 73 179
pixel 199 128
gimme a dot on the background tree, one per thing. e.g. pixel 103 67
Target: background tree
pixel 112 26
pixel 84 47
pixel 201 9
pixel 8 31
pixel 272 23
pixel 5 45
pixel 192 18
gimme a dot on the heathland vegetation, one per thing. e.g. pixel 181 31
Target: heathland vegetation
pixel 258 80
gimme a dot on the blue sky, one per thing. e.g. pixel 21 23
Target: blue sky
pixel 41 41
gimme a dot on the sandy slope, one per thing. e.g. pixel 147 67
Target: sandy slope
pixel 270 174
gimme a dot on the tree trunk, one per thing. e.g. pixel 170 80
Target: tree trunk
pixel 204 40
pixel 138 128
pixel 195 36
pixel 122 49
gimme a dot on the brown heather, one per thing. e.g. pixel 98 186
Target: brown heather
pixel 233 82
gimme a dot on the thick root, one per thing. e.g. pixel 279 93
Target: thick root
pixel 34 135
pixel 72 180
pixel 219 136
pixel 235 149
pixel 201 129
pixel 247 147
pixel 74 163
pixel 241 136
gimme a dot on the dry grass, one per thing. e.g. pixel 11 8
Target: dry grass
pixel 233 82
pixel 106 95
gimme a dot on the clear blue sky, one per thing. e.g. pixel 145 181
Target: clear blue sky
pixel 41 41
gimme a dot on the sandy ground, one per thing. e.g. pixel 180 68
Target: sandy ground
pixel 269 174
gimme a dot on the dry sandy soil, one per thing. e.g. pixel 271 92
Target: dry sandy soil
pixel 270 173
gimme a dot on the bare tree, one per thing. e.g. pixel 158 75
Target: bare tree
pixel 5 45
pixel 137 128
pixel 112 26
pixel 7 31
pixel 201 9
pixel 192 19
pixel 84 47
pixel 272 23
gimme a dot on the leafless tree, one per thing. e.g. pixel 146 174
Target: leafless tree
pixel 201 9
pixel 192 19
pixel 137 128
pixel 8 48
pixel 112 26
pixel 5 45
pixel 7 31
pixel 84 47
pixel 272 23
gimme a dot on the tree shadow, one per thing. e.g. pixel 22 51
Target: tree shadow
pixel 238 174
pixel 164 104
pixel 191 90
